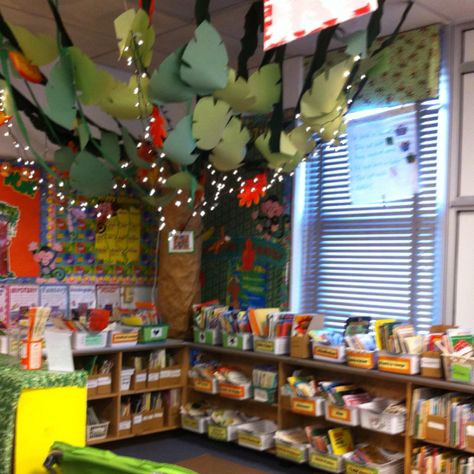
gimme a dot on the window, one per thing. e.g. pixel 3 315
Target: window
pixel 377 260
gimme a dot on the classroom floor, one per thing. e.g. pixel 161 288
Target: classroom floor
pixel 181 445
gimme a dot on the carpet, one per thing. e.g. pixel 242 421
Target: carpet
pixel 206 464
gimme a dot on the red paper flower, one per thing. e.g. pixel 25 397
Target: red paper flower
pixel 252 190
pixel 157 127
pixel 4 118
pixel 23 66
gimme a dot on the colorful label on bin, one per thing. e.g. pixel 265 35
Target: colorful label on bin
pixel 398 365
pixel 293 453
pixel 360 360
pixel 217 432
pixel 325 351
pixel 250 440
pixel 202 385
pixel 321 461
pixel 352 468
pixel 93 340
pixel 302 406
pixel 460 373
pixel 190 422
pixel 265 345
pixel 339 413
pixel 233 391
pixel 124 337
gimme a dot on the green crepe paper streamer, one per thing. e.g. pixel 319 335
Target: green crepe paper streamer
pixel 357 44
pixel 135 24
pixel 166 84
pixel 131 150
pixel 230 151
pixel 63 158
pixel 60 92
pixel 39 49
pixel 265 84
pixel 204 61
pixel 90 176
pixel 110 147
pixel 91 82
pixel 209 121
pixel 276 121
pixel 84 134
pixel 325 91
pixel 180 144
pixel 120 101
pixel 237 93
pixel 249 42
pixel 302 140
pixel 181 180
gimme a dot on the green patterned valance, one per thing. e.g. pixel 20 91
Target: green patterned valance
pixel 414 59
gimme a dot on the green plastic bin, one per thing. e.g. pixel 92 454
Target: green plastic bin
pixel 67 459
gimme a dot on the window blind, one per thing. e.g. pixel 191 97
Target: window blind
pixel 376 260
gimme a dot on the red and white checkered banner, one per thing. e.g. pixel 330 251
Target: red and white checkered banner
pixel 287 20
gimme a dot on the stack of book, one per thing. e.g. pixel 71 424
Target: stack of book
pixel 430 460
pixel 343 394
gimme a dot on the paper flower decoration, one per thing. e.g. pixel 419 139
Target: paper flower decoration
pixel 157 128
pixel 252 190
pixel 25 69
pixel 4 118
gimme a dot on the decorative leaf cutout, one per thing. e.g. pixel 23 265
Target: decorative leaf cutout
pixel 109 144
pixel 90 176
pixel 131 150
pixel 204 61
pixel 39 49
pixel 237 93
pixel 166 84
pixel 135 24
pixel 83 132
pixel 209 121
pixel 302 140
pixel 182 180
pixel 265 84
pixel 180 144
pixel 357 44
pixel 230 151
pixel 91 82
pixel 287 161
pixel 63 158
pixel 60 93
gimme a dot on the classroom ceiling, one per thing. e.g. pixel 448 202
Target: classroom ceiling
pixel 90 22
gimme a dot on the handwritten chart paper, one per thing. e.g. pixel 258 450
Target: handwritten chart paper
pixel 82 295
pixel 288 20
pixel 383 158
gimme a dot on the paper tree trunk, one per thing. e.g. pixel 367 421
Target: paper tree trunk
pixel 178 273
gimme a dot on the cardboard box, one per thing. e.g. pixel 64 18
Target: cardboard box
pixel 104 384
pixel 92 385
pixel 469 436
pixel 137 423
pixel 153 378
pixel 125 426
pixel 436 429
pixel 139 379
pixel 172 416
pixel 431 365
pixel 170 376
pixel 300 346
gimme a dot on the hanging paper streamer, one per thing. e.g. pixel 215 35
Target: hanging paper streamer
pixel 382 157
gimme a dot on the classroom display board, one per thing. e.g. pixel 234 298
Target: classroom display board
pixel 383 157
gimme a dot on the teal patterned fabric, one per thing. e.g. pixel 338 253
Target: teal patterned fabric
pixel 13 379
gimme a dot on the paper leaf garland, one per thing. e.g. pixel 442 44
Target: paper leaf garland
pixel 180 144
pixel 265 85
pixel 110 147
pixel 237 93
pixel 63 158
pixel 301 139
pixel 92 84
pixel 131 150
pixel 287 159
pixel 209 121
pixel 204 61
pixel 40 49
pixel 83 132
pixel 230 151
pixel 357 44
pixel 60 93
pixel 166 84
pixel 90 176
pixel 182 180
pixel 135 35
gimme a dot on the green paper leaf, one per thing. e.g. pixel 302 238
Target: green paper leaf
pixel 230 152
pixel 265 84
pixel 90 176
pixel 63 158
pixel 131 150
pixel 40 49
pixel 120 102
pixel 205 60
pixel 288 162
pixel 302 140
pixel 60 93
pixel 182 180
pixel 110 146
pixel 357 44
pixel 166 84
pixel 237 93
pixel 209 121
pixel 135 24
pixel 83 132
pixel 180 144
pixel 325 90
pixel 91 82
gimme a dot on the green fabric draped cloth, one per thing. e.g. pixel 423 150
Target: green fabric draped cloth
pixel 13 379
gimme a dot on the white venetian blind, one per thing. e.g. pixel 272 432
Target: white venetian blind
pixel 374 260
